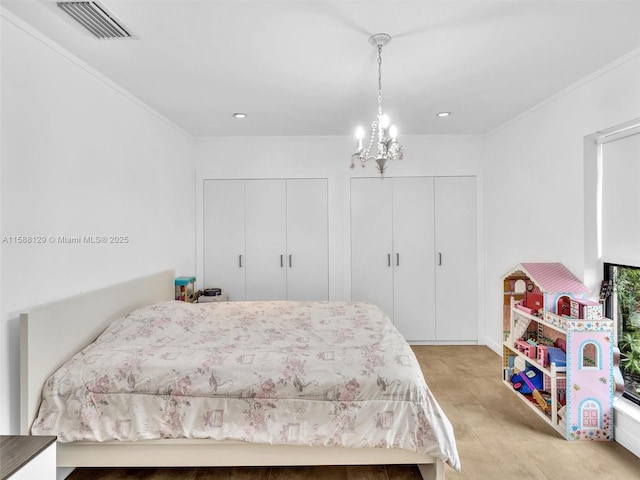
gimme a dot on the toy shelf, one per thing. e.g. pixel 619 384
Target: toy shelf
pixel 559 372
pixel 521 322
pixel 550 414
pixel 547 416
pixel 540 320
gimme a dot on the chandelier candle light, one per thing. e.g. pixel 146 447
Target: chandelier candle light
pixel 383 135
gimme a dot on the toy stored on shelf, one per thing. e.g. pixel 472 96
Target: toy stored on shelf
pixel 526 309
pixel 548 354
pixel 557 356
pixel 534 301
pixel 526 348
pixel 586 309
pixel 541 355
pixel 528 380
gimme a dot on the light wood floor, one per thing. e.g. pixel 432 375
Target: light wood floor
pixel 498 437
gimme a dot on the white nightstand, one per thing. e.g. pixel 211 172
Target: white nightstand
pixel 26 457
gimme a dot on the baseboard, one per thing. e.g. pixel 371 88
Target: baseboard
pixel 626 425
pixel 496 347
pixel 63 472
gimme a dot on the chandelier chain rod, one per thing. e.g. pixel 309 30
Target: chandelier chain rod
pixel 379 80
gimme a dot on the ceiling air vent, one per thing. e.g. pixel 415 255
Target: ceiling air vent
pixel 97 19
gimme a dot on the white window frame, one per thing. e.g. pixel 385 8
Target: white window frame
pixel 626 413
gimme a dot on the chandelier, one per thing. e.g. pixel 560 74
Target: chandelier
pixel 383 143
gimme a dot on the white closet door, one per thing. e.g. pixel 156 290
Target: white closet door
pixel 371 242
pixel 456 259
pixel 265 221
pixel 307 243
pixel 413 259
pixel 224 239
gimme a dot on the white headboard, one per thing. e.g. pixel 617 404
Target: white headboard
pixel 53 333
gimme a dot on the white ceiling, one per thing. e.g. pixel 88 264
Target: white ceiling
pixel 302 67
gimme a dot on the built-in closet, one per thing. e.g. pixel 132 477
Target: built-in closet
pixel 266 239
pixel 414 254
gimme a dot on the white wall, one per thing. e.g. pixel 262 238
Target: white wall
pixel 80 157
pixel 329 157
pixel 534 181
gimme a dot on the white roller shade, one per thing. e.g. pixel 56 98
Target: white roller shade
pixel 621 199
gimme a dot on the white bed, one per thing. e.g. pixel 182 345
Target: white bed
pixel 51 334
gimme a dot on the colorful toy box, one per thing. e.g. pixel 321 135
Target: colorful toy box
pixel 185 288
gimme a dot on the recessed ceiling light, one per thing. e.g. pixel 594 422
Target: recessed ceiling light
pixel 443 114
pixel 240 115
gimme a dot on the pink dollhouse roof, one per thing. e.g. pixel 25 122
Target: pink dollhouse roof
pixel 553 278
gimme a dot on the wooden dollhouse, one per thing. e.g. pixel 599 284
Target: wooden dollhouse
pixel 558 350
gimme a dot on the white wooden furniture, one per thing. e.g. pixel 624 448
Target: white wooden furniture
pixel 557 376
pixel 414 254
pixel 24 457
pixel 53 333
pixel 267 239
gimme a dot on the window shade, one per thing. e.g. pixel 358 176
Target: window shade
pixel 621 200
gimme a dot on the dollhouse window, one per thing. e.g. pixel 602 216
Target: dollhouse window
pixel 563 306
pixel 590 414
pixel 590 356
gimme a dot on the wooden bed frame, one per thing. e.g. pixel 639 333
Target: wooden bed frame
pixel 51 334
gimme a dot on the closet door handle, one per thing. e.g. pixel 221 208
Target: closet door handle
pixel 290 260
pixel 239 261
pixel 397 259
pixel 388 259
pixel 439 258
pixel 281 261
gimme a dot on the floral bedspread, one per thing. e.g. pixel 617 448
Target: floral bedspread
pixel 311 373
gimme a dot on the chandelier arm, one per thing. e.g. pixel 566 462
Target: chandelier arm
pixel 363 160
pixel 365 155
